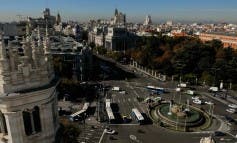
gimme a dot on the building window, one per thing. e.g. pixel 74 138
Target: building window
pixel 3 126
pixel 27 122
pixel 32 121
pixel 36 119
pixel 54 114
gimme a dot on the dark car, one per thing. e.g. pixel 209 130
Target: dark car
pixel 218 133
pixel 229 119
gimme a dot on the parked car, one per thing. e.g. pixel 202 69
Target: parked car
pixel 231 110
pixel 232 106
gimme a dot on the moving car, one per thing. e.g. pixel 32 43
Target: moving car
pixel 218 133
pixel 197 101
pixel 195 98
pixel 229 119
pixel 182 85
pixel 190 92
pixel 213 89
pixel 109 131
pixel 230 110
pixel 122 92
pixel 116 88
pixel 209 103
pixel 232 106
pixel 126 119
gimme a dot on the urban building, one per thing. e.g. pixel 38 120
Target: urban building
pixel 28 97
pixel 77 58
pixel 116 39
pixel 46 18
pixel 147 20
pixel 97 36
pixel 228 41
pixel 119 18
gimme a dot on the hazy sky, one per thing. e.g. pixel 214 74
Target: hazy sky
pixel 136 10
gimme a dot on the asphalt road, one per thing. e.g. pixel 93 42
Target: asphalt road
pixel 149 133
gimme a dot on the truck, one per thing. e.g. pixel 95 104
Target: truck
pixel 116 88
pixel 213 89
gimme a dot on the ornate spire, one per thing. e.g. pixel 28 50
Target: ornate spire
pixel 46 39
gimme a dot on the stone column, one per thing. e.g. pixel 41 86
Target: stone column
pixel 32 121
pixel 47 120
pixel 2 124
pixel 14 127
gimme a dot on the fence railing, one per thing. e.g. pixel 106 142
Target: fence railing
pixel 153 73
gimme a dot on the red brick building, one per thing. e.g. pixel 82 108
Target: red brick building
pixel 228 41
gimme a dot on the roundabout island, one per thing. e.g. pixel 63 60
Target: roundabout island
pixel 180 117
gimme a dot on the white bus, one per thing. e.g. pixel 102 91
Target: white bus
pixel 110 115
pixel 80 113
pixel 137 115
pixel 107 103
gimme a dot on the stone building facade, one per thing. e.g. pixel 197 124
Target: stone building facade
pixel 28 97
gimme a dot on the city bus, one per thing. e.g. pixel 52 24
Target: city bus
pixel 155 89
pixel 137 115
pixel 110 115
pixel 80 113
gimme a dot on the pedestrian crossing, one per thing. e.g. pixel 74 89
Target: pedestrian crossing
pixel 123 100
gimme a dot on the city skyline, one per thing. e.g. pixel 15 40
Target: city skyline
pixel 184 10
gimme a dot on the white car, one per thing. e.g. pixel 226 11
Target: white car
pixel 232 106
pixel 209 103
pixel 122 92
pixel 197 101
pixel 230 110
pixel 109 131
pixel 195 98
pixel 178 89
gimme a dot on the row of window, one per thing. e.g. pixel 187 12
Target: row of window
pixel 31 119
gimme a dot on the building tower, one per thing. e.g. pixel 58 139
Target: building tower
pixel 28 97
pixel 147 20
pixel 58 19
